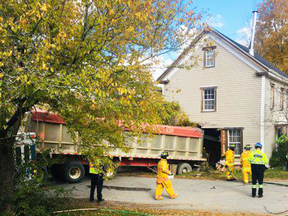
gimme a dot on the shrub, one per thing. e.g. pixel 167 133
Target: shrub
pixel 34 195
pixel 279 154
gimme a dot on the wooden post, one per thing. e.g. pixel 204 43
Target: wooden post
pixel 223 141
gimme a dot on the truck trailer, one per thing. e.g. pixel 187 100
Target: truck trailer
pixel 184 145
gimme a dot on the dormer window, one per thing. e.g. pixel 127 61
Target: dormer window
pixel 209 57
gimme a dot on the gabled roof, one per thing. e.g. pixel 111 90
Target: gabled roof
pixel 245 50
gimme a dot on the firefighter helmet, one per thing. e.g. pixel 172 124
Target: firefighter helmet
pixel 164 155
pixel 232 146
pixel 248 147
pixel 258 145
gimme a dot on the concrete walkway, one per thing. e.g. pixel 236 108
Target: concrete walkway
pixel 193 195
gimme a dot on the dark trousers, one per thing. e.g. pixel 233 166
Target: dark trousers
pixel 257 177
pixel 96 180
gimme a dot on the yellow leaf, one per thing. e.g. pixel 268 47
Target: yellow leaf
pixel 44 7
pixel 138 15
pixel 1 75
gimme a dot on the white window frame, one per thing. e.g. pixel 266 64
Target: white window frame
pixel 233 142
pixel 209 56
pixel 214 99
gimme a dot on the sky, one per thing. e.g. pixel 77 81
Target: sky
pixel 230 17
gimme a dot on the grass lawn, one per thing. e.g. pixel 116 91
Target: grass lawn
pixel 120 209
pixel 274 174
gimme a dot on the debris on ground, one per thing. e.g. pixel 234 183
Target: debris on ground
pixel 123 208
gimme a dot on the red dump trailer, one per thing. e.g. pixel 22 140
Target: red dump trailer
pixel 184 144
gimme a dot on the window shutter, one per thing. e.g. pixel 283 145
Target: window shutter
pixel 215 100
pixel 204 58
pixel 241 137
pixel 272 96
pixel 202 96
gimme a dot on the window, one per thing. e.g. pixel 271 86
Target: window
pixel 282 99
pixel 272 94
pixel 209 99
pixel 235 137
pixel 209 58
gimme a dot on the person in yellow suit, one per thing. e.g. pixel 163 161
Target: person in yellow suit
pixel 246 166
pixel 229 162
pixel 162 178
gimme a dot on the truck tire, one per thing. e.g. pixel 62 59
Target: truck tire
pixel 74 172
pixel 184 168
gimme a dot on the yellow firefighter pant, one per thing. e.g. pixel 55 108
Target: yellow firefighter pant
pixel 229 172
pixel 246 172
pixel 168 187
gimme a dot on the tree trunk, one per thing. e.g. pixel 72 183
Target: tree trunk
pixel 7 169
pixel 6 177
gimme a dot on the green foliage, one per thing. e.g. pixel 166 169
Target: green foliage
pixel 90 62
pixel 34 195
pixel 279 154
pixel 174 115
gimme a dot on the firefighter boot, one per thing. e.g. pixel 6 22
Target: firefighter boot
pixel 159 198
pixel 253 192
pixel 174 196
pixel 260 192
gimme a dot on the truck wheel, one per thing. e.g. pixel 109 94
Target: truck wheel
pixel 74 172
pixel 184 168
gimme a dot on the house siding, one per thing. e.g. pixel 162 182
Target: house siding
pixel 273 116
pixel 238 93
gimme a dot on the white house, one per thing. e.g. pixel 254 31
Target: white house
pixel 235 95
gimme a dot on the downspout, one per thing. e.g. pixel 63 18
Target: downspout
pixel 263 80
pixel 262 112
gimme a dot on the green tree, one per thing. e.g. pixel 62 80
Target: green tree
pixel 174 115
pixel 271 39
pixel 87 60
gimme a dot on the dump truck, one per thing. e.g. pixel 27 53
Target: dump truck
pixel 184 145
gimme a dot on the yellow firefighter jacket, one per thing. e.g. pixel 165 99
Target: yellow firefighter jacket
pixel 163 171
pixel 93 167
pixel 258 157
pixel 244 160
pixel 229 157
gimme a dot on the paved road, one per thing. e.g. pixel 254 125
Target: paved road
pixel 193 195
